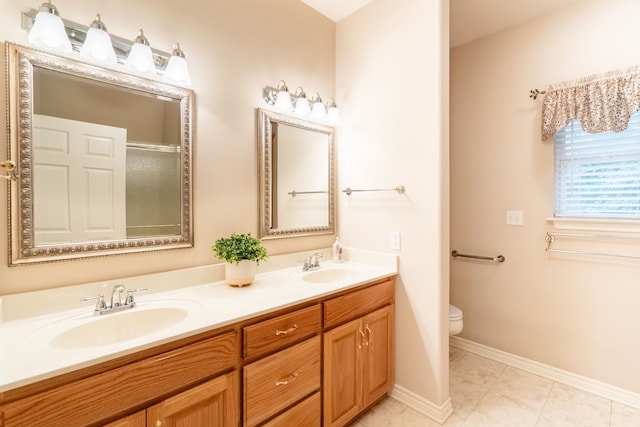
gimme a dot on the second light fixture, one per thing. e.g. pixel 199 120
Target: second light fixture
pixel 298 104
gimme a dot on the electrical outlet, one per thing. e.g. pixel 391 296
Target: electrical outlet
pixel 394 238
pixel 515 218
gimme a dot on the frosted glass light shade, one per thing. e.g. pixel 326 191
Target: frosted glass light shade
pixel 283 101
pixel 98 48
pixel 333 116
pixel 302 107
pixel 318 112
pixel 177 70
pixel 140 59
pixel 48 32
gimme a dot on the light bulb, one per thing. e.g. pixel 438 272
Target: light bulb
pixel 283 98
pixel 140 56
pixel 97 47
pixel 177 70
pixel 318 112
pixel 48 30
pixel 302 103
pixel 333 115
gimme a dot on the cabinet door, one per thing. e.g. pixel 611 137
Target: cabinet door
pixel 214 403
pixel 343 347
pixel 135 420
pixel 379 368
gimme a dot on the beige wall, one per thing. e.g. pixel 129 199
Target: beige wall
pixel 579 314
pixel 380 78
pixel 394 133
pixel 234 49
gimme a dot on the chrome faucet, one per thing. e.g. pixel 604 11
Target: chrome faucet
pixel 117 304
pixel 312 262
pixel 116 296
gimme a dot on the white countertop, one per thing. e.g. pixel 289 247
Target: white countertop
pixel 28 336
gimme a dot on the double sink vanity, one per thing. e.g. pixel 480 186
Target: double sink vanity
pixel 294 348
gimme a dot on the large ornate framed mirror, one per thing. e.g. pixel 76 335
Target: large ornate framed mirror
pixel 103 160
pixel 297 176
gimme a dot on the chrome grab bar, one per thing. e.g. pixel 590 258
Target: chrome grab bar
pixel 400 189
pixel 294 193
pixel 498 258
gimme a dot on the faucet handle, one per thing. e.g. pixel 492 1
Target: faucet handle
pixel 101 305
pixel 130 300
pixel 314 259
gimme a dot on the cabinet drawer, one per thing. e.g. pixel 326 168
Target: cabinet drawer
pixel 120 390
pixel 306 413
pixel 278 381
pixel 273 334
pixel 341 309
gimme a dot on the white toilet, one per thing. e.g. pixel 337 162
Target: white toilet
pixel 455 320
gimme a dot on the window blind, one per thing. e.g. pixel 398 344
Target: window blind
pixel 597 175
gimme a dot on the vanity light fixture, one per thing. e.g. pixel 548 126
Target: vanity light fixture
pixel 48 30
pixel 177 70
pixel 97 46
pixel 140 57
pixel 299 105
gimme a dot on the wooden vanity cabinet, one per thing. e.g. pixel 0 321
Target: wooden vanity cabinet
pixel 319 363
pixel 182 377
pixel 359 354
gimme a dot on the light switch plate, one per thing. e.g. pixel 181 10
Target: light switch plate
pixel 515 218
pixel 394 239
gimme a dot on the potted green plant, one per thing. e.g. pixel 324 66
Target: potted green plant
pixel 242 253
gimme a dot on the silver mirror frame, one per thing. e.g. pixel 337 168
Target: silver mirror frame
pixel 265 172
pixel 20 61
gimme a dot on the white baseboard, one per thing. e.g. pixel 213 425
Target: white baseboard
pixel 599 388
pixel 437 413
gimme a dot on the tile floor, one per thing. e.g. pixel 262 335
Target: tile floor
pixel 489 393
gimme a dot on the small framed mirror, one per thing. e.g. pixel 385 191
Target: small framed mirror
pixel 103 160
pixel 297 176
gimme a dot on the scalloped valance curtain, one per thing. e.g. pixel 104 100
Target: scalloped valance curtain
pixel 602 102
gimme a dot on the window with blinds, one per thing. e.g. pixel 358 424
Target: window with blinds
pixel 597 175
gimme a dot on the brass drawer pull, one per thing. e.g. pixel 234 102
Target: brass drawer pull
pixel 370 341
pixel 291 329
pixel 285 382
pixel 363 341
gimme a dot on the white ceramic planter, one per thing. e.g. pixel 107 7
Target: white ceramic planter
pixel 241 274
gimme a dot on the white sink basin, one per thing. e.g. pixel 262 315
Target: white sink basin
pixel 118 327
pixel 328 275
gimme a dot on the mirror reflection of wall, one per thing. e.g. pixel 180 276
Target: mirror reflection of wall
pixel 147 117
pixel 301 170
pixel 150 202
pixel 296 175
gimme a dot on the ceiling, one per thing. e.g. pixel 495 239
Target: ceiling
pixel 336 9
pixel 469 19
